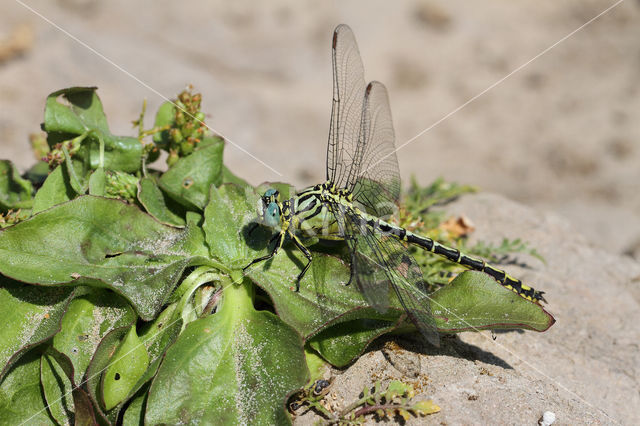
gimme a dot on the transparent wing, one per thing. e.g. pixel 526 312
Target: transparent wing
pixel 382 264
pixel 374 178
pixel 346 113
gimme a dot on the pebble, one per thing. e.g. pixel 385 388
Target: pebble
pixel 547 419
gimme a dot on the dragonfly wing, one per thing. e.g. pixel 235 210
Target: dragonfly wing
pixel 369 274
pixel 382 264
pixel 346 113
pixel 375 178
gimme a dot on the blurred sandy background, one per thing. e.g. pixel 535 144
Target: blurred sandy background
pixel 562 134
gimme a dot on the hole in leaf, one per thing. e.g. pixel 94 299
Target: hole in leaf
pixel 187 182
pixel 110 255
pixel 117 376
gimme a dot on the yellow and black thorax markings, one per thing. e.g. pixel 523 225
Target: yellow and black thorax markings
pixel 313 202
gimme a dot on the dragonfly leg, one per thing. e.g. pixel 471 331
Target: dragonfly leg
pixel 352 271
pixel 279 238
pixel 307 254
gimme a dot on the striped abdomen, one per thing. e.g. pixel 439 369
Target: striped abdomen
pixel 454 255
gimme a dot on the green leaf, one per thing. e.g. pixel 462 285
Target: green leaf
pixel 30 315
pixel 188 181
pixel 15 192
pixel 76 110
pixel 56 388
pixel 158 205
pixel 100 361
pixel 100 243
pixel 157 336
pixel 90 316
pixel 474 300
pixel 397 388
pixel 127 366
pixel 234 366
pixel 56 375
pixel 316 365
pixel 37 173
pixel 98 182
pixel 21 399
pixel 165 116
pixel 324 298
pixel 226 221
pixel 340 344
pixel 425 407
pixel 56 189
pixel 134 414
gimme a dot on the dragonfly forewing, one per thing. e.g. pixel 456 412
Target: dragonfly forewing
pixel 346 112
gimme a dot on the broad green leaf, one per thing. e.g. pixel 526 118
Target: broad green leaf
pixel 227 220
pixel 339 324
pixel 15 192
pixel 72 112
pixel 317 366
pixel 57 390
pixel 30 315
pixel 134 414
pixel 127 366
pixel 56 189
pixel 232 367
pixel 21 400
pixel 91 315
pixel 324 298
pixel 100 243
pixel 157 336
pixel 67 402
pixel 158 205
pixel 188 181
pixel 100 361
pixel 474 300
pixel 340 344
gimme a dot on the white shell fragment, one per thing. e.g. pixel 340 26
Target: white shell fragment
pixel 547 419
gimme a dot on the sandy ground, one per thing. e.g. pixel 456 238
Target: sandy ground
pixel 585 369
pixel 561 134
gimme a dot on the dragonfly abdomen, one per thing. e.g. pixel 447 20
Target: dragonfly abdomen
pixel 456 256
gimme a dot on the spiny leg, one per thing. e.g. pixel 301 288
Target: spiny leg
pixel 279 237
pixel 307 254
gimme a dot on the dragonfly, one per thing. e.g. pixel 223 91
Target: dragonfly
pixel 363 187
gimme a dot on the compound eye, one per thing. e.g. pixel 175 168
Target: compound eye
pixel 269 193
pixel 272 214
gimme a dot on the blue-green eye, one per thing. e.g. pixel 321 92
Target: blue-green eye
pixel 272 215
pixel 270 192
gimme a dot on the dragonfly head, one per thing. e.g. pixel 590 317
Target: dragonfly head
pixel 270 208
